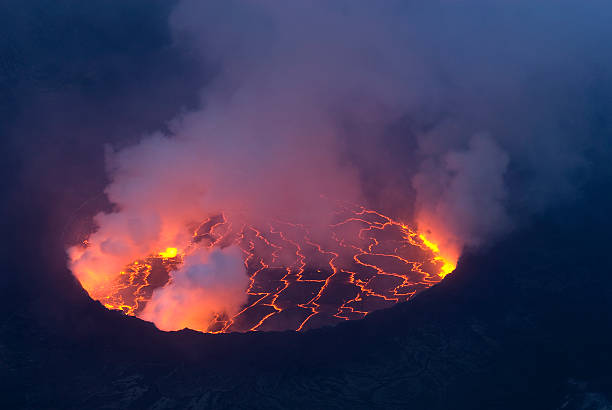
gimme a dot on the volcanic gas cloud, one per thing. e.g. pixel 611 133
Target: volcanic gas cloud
pixel 247 214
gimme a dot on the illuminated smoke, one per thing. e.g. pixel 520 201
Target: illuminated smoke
pixel 207 283
pixel 300 87
pixel 464 191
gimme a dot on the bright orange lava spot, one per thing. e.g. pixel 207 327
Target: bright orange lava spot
pixel 429 244
pixel 448 265
pixel 168 253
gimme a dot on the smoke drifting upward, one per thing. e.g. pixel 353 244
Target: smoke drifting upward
pixel 273 136
pixel 465 192
pixel 206 284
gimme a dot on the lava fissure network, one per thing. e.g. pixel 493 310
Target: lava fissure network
pixel 300 278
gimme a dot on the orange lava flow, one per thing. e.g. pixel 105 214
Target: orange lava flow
pixel 300 279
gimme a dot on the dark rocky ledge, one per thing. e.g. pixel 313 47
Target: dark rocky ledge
pixel 525 323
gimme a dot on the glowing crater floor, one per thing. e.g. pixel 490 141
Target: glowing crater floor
pixel 300 280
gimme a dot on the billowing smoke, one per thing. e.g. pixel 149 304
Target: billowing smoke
pixel 466 192
pixel 307 101
pixel 207 283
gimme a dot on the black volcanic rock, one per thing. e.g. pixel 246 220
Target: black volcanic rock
pixel 523 324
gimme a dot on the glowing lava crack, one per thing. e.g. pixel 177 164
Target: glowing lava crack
pixel 298 280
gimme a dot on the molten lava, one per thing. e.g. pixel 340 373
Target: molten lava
pixel 447 261
pixel 169 253
pixel 299 279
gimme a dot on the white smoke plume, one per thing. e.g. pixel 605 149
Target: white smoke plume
pixel 465 190
pixel 273 132
pixel 206 284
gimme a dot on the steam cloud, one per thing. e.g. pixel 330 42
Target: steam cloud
pixel 207 283
pixel 308 95
pixel 466 192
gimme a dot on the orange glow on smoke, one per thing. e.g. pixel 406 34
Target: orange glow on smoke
pixel 297 279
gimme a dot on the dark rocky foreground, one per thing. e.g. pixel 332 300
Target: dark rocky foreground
pixel 526 323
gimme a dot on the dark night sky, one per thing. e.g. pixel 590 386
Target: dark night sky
pixel 79 79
